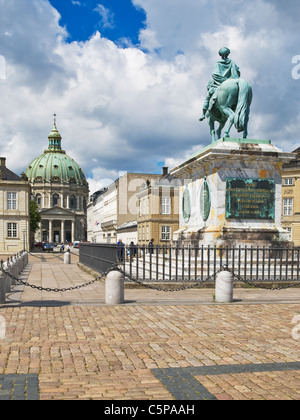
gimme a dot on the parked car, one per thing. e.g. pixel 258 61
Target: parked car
pixel 48 246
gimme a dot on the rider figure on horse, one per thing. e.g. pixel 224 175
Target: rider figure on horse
pixel 224 69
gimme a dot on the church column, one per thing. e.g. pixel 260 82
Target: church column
pixel 73 231
pixel 50 238
pixel 62 232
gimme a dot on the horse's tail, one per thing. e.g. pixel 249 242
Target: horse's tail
pixel 243 106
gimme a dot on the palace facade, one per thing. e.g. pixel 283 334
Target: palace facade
pixel 14 211
pixel 291 199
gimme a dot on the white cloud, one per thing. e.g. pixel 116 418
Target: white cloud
pixel 106 15
pixel 101 178
pixel 127 109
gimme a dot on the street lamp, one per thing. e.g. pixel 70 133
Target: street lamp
pixel 24 234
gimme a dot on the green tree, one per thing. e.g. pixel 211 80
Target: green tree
pixel 35 216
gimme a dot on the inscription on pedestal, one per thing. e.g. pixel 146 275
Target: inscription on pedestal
pixel 250 198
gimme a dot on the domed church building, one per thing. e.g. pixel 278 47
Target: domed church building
pixel 61 192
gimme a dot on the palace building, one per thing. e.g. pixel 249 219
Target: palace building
pixel 291 198
pixel 14 211
pixel 61 191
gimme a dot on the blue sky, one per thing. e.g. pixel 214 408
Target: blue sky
pixel 118 20
pixel 127 78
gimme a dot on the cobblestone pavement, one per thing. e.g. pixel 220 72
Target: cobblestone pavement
pixel 154 347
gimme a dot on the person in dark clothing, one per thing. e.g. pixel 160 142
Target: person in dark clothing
pixel 151 246
pixel 132 249
pixel 120 250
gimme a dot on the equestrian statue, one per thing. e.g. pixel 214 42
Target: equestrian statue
pixel 228 98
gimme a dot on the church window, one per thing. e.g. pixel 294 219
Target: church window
pixel 39 199
pixel 55 199
pixel 72 202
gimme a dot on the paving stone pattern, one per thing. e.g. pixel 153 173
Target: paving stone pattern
pixel 19 387
pixel 183 385
pixel 73 347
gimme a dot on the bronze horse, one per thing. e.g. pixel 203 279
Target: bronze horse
pixel 231 102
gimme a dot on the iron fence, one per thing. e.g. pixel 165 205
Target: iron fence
pixel 194 264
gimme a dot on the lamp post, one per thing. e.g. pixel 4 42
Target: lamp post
pixel 24 235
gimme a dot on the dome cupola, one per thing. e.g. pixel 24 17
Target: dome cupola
pixel 54 140
pixel 54 165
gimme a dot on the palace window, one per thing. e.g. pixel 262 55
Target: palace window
pixel 288 181
pixel 11 201
pixel 166 233
pixel 165 205
pixel 12 230
pixel 288 206
pixel 290 232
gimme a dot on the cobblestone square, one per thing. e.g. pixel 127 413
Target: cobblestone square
pixel 154 347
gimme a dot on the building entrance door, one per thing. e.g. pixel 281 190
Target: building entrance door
pixel 56 236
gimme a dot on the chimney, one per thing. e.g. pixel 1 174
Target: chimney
pixel 165 170
pixel 2 161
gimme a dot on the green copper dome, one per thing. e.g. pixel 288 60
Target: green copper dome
pixel 54 165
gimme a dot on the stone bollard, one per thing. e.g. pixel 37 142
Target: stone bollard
pixel 13 270
pixel 114 288
pixel 22 261
pixel 7 284
pixel 67 257
pixel 25 256
pixel 2 288
pixel 7 279
pixel 19 264
pixel 224 287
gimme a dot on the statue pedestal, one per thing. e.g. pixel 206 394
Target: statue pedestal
pixel 231 194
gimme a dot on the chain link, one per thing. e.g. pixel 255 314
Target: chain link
pixel 48 289
pixel 260 286
pixel 178 289
pixel 116 267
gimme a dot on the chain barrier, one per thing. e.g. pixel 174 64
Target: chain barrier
pixel 48 289
pixel 260 286
pixel 103 275
pixel 47 253
pixel 191 285
pixel 116 267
